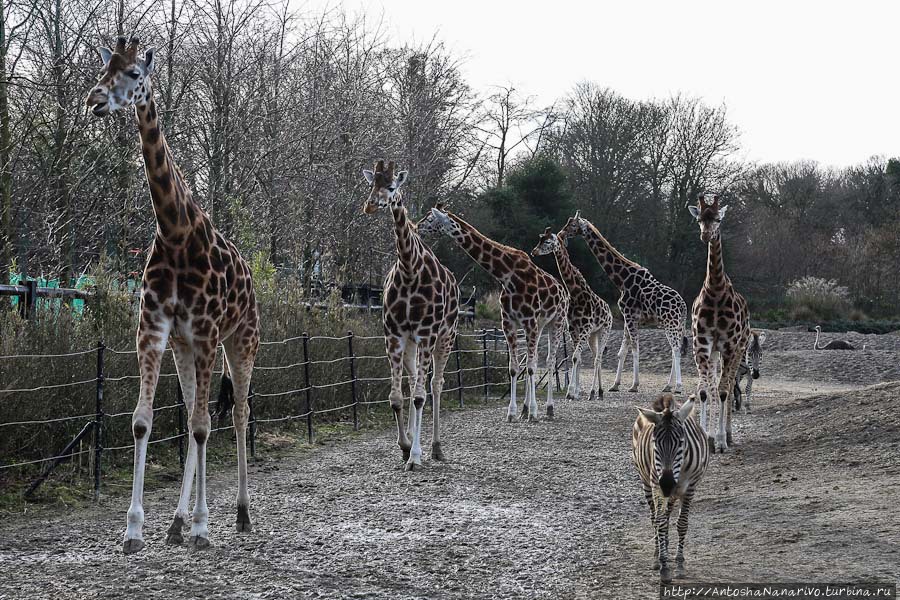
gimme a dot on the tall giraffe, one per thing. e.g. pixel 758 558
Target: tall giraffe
pixel 641 296
pixel 196 292
pixel 421 305
pixel 530 299
pixel 590 319
pixel 721 322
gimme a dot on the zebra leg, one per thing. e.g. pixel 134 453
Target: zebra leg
pixel 747 393
pixel 648 494
pixel 662 534
pixel 682 530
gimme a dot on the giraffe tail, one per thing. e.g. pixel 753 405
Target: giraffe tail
pixel 684 345
pixel 225 400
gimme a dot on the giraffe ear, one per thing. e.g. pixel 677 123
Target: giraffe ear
pixel 149 60
pixel 105 55
pixel 401 178
pixel 369 175
pixel 722 210
pixel 695 211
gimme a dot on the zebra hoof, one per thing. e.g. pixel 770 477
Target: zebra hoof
pixel 665 575
pixel 655 564
pixel 680 573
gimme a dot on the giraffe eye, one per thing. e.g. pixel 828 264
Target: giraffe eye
pixel 133 74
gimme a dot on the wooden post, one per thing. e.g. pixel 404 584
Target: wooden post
pixel 309 419
pixel 98 420
pixel 353 380
pixel 459 381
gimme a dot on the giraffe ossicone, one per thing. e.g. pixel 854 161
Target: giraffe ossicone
pixel 420 313
pixel 196 292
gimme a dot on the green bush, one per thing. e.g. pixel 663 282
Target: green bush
pixel 814 298
pixel 489 308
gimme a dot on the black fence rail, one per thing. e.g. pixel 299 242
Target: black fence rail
pixel 306 379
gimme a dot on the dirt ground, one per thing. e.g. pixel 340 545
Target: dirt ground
pixel 544 510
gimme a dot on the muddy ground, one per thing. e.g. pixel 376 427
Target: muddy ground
pixel 545 510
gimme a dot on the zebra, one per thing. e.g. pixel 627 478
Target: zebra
pixel 749 368
pixel 671 455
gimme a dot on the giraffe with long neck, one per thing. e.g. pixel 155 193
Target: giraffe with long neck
pixel 530 299
pixel 590 319
pixel 421 306
pixel 641 297
pixel 196 293
pixel 721 323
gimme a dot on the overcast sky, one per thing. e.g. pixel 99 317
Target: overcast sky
pixel 814 80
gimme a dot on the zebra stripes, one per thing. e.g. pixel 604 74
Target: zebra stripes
pixel 671 455
pixel 750 369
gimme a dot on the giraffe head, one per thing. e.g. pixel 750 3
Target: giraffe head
pixel 439 221
pixel 125 80
pixel 709 216
pixel 548 244
pixel 385 187
pixel 668 439
pixel 575 226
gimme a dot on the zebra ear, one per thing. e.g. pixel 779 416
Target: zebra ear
pixel 761 337
pixel 686 409
pixel 650 415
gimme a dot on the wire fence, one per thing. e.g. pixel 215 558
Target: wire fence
pixel 305 380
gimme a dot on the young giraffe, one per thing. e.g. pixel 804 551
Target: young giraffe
pixel 196 293
pixel 721 322
pixel 530 299
pixel 421 305
pixel 641 296
pixel 590 319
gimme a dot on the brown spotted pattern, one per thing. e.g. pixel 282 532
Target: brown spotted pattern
pixel 721 323
pixel 641 298
pixel 421 306
pixel 530 299
pixel 590 319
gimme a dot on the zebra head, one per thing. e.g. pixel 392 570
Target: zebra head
pixel 669 443
pixel 754 351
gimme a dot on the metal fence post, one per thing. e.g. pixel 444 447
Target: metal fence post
pixel 309 420
pixel 98 420
pixel 353 380
pixel 179 399
pixel 484 368
pixel 459 385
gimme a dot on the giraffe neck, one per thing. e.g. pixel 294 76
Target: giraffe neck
pixel 715 265
pixel 570 274
pixel 409 246
pixel 172 203
pixel 613 262
pixel 479 247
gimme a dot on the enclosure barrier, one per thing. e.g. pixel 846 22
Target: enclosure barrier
pixel 486 351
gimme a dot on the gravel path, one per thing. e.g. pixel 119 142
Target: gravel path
pixel 545 510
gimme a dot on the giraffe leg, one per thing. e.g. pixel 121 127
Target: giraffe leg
pixel 151 343
pixel 437 386
pixel 623 351
pixel 423 363
pixel 187 379
pixel 726 389
pixel 409 361
pixel 598 347
pixel 240 355
pixel 635 353
pixel 509 331
pixel 396 347
pixel 574 390
pixel 532 337
pixel 683 515
pixel 703 358
pixel 554 339
pixel 204 357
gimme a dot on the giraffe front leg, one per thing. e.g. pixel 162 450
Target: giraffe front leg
pixel 703 358
pixel 423 363
pixel 204 356
pixel 726 389
pixel 635 355
pixel 151 344
pixel 532 335
pixel 554 339
pixel 623 352
pixel 598 347
pixel 395 351
pixel 513 350
pixel 240 355
pixel 437 386
pixel 187 379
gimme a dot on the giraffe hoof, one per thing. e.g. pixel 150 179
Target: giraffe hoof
pixel 405 452
pixel 550 413
pixel 665 575
pixel 412 466
pixel 571 396
pixel 243 520
pixel 678 390
pixel 173 534
pixel 594 395
pixel 633 388
pixel 510 418
pixel 436 452
pixel 199 543
pixel 132 546
pixel 614 388
pixel 711 443
pixel 533 418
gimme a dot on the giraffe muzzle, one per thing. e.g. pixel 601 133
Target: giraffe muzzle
pixel 369 208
